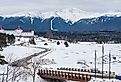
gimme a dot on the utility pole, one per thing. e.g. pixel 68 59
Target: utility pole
pixel 95 63
pixel 102 59
pixel 109 64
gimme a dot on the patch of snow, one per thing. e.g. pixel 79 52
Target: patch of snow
pixel 22 21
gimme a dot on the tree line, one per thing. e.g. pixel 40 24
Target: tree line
pixel 99 37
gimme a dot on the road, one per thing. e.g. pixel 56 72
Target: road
pixel 24 61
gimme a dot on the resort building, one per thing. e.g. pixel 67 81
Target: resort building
pixel 18 32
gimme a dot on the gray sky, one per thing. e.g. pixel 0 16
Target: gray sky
pixel 50 5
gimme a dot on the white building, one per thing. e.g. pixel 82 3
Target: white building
pixel 18 32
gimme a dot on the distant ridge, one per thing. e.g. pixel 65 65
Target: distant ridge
pixel 70 14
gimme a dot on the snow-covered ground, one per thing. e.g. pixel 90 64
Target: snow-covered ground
pixel 18 52
pixel 83 52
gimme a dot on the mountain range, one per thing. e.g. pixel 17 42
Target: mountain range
pixel 67 20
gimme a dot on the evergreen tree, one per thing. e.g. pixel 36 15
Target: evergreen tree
pixel 66 44
pixel 32 41
pixel 58 43
pixel 3 40
pixel 10 39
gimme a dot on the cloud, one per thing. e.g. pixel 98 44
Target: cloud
pixel 47 5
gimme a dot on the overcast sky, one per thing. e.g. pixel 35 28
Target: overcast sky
pixel 50 5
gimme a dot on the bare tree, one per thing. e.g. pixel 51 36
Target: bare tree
pixel 31 70
pixel 10 73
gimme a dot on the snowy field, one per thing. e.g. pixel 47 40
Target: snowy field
pixel 82 52
pixel 18 52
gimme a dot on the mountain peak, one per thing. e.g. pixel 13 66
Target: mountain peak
pixel 75 14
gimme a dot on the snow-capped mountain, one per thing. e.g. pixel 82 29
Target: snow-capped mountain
pixel 71 14
pixel 72 19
